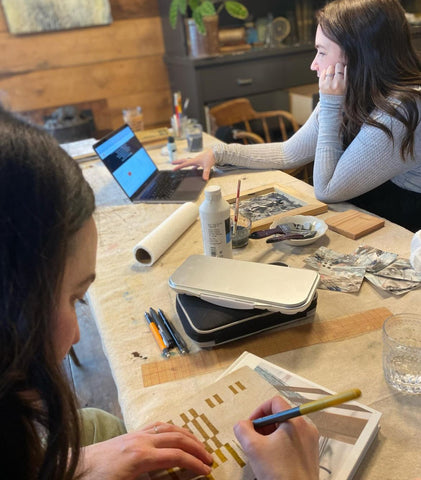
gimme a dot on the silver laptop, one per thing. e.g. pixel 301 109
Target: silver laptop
pixel 136 173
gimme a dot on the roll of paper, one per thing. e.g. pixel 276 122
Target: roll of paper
pixel 148 250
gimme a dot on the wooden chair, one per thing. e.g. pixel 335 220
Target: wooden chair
pixel 240 111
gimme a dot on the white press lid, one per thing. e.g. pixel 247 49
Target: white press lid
pixel 240 284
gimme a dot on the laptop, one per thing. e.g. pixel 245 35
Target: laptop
pixel 136 173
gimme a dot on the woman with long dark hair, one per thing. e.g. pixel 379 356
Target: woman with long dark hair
pixel 47 262
pixel 364 136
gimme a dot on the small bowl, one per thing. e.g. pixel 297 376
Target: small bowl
pixel 317 223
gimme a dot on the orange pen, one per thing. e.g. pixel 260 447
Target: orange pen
pixel 155 332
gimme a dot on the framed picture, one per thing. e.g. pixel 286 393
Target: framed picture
pixel 267 203
pixel 35 16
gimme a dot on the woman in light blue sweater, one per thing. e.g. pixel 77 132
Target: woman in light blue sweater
pixel 364 136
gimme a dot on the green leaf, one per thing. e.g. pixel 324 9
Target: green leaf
pixel 173 13
pixel 236 9
pixel 175 7
pixel 193 4
pixel 207 8
pixel 182 6
pixel 198 19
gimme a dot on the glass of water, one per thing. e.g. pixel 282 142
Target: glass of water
pixel 134 118
pixel 402 352
pixel 194 137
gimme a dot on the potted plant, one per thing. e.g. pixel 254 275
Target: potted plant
pixel 202 26
pixel 205 8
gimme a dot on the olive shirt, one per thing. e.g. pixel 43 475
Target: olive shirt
pixel 98 426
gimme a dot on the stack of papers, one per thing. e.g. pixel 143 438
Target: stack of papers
pixel 81 150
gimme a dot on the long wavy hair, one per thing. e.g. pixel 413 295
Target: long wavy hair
pixel 44 201
pixel 383 68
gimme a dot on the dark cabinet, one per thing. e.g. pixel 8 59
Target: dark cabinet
pixel 208 81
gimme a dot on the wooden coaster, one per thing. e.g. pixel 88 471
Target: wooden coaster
pixel 263 345
pixel 354 224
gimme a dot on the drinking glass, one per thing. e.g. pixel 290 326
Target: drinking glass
pixel 402 352
pixel 194 137
pixel 240 234
pixel 134 118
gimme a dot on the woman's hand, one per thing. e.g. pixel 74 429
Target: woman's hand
pixel 284 451
pixel 155 447
pixel 332 81
pixel 206 160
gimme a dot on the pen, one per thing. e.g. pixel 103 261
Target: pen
pixel 308 407
pixel 182 347
pixel 163 330
pixel 154 329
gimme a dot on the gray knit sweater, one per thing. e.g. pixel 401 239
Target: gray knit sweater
pixel 339 175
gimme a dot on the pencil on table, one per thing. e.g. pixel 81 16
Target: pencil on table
pixel 154 330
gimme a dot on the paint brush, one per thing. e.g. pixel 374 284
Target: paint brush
pixel 237 207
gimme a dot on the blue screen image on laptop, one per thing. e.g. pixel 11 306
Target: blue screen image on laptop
pixel 128 161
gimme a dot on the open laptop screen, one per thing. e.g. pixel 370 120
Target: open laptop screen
pixel 127 160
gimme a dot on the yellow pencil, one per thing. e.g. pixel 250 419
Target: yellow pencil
pixel 308 407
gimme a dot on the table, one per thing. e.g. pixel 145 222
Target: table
pixel 124 289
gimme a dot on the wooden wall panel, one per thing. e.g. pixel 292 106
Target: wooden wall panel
pixel 124 39
pixel 62 86
pixel 122 9
pixel 108 67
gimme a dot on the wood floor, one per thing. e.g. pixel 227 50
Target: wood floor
pixel 92 380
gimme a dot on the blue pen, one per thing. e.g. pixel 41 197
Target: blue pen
pixel 165 334
pixel 182 347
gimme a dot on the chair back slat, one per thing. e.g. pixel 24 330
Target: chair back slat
pixel 240 111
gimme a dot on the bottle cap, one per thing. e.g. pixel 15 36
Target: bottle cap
pixel 171 139
pixel 212 191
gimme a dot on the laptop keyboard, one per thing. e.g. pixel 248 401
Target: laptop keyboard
pixel 165 185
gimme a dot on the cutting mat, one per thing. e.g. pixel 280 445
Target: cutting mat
pixel 263 345
pixel 354 224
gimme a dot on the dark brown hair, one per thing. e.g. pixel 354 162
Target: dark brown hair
pixel 44 201
pixel 383 68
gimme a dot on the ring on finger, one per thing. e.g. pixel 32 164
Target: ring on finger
pixel 155 429
pixel 339 73
pixel 330 74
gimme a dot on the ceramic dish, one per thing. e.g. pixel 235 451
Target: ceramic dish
pixel 306 222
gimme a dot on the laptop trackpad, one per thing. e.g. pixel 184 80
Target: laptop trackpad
pixel 189 189
pixel 190 184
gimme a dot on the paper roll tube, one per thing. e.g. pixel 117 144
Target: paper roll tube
pixel 148 250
